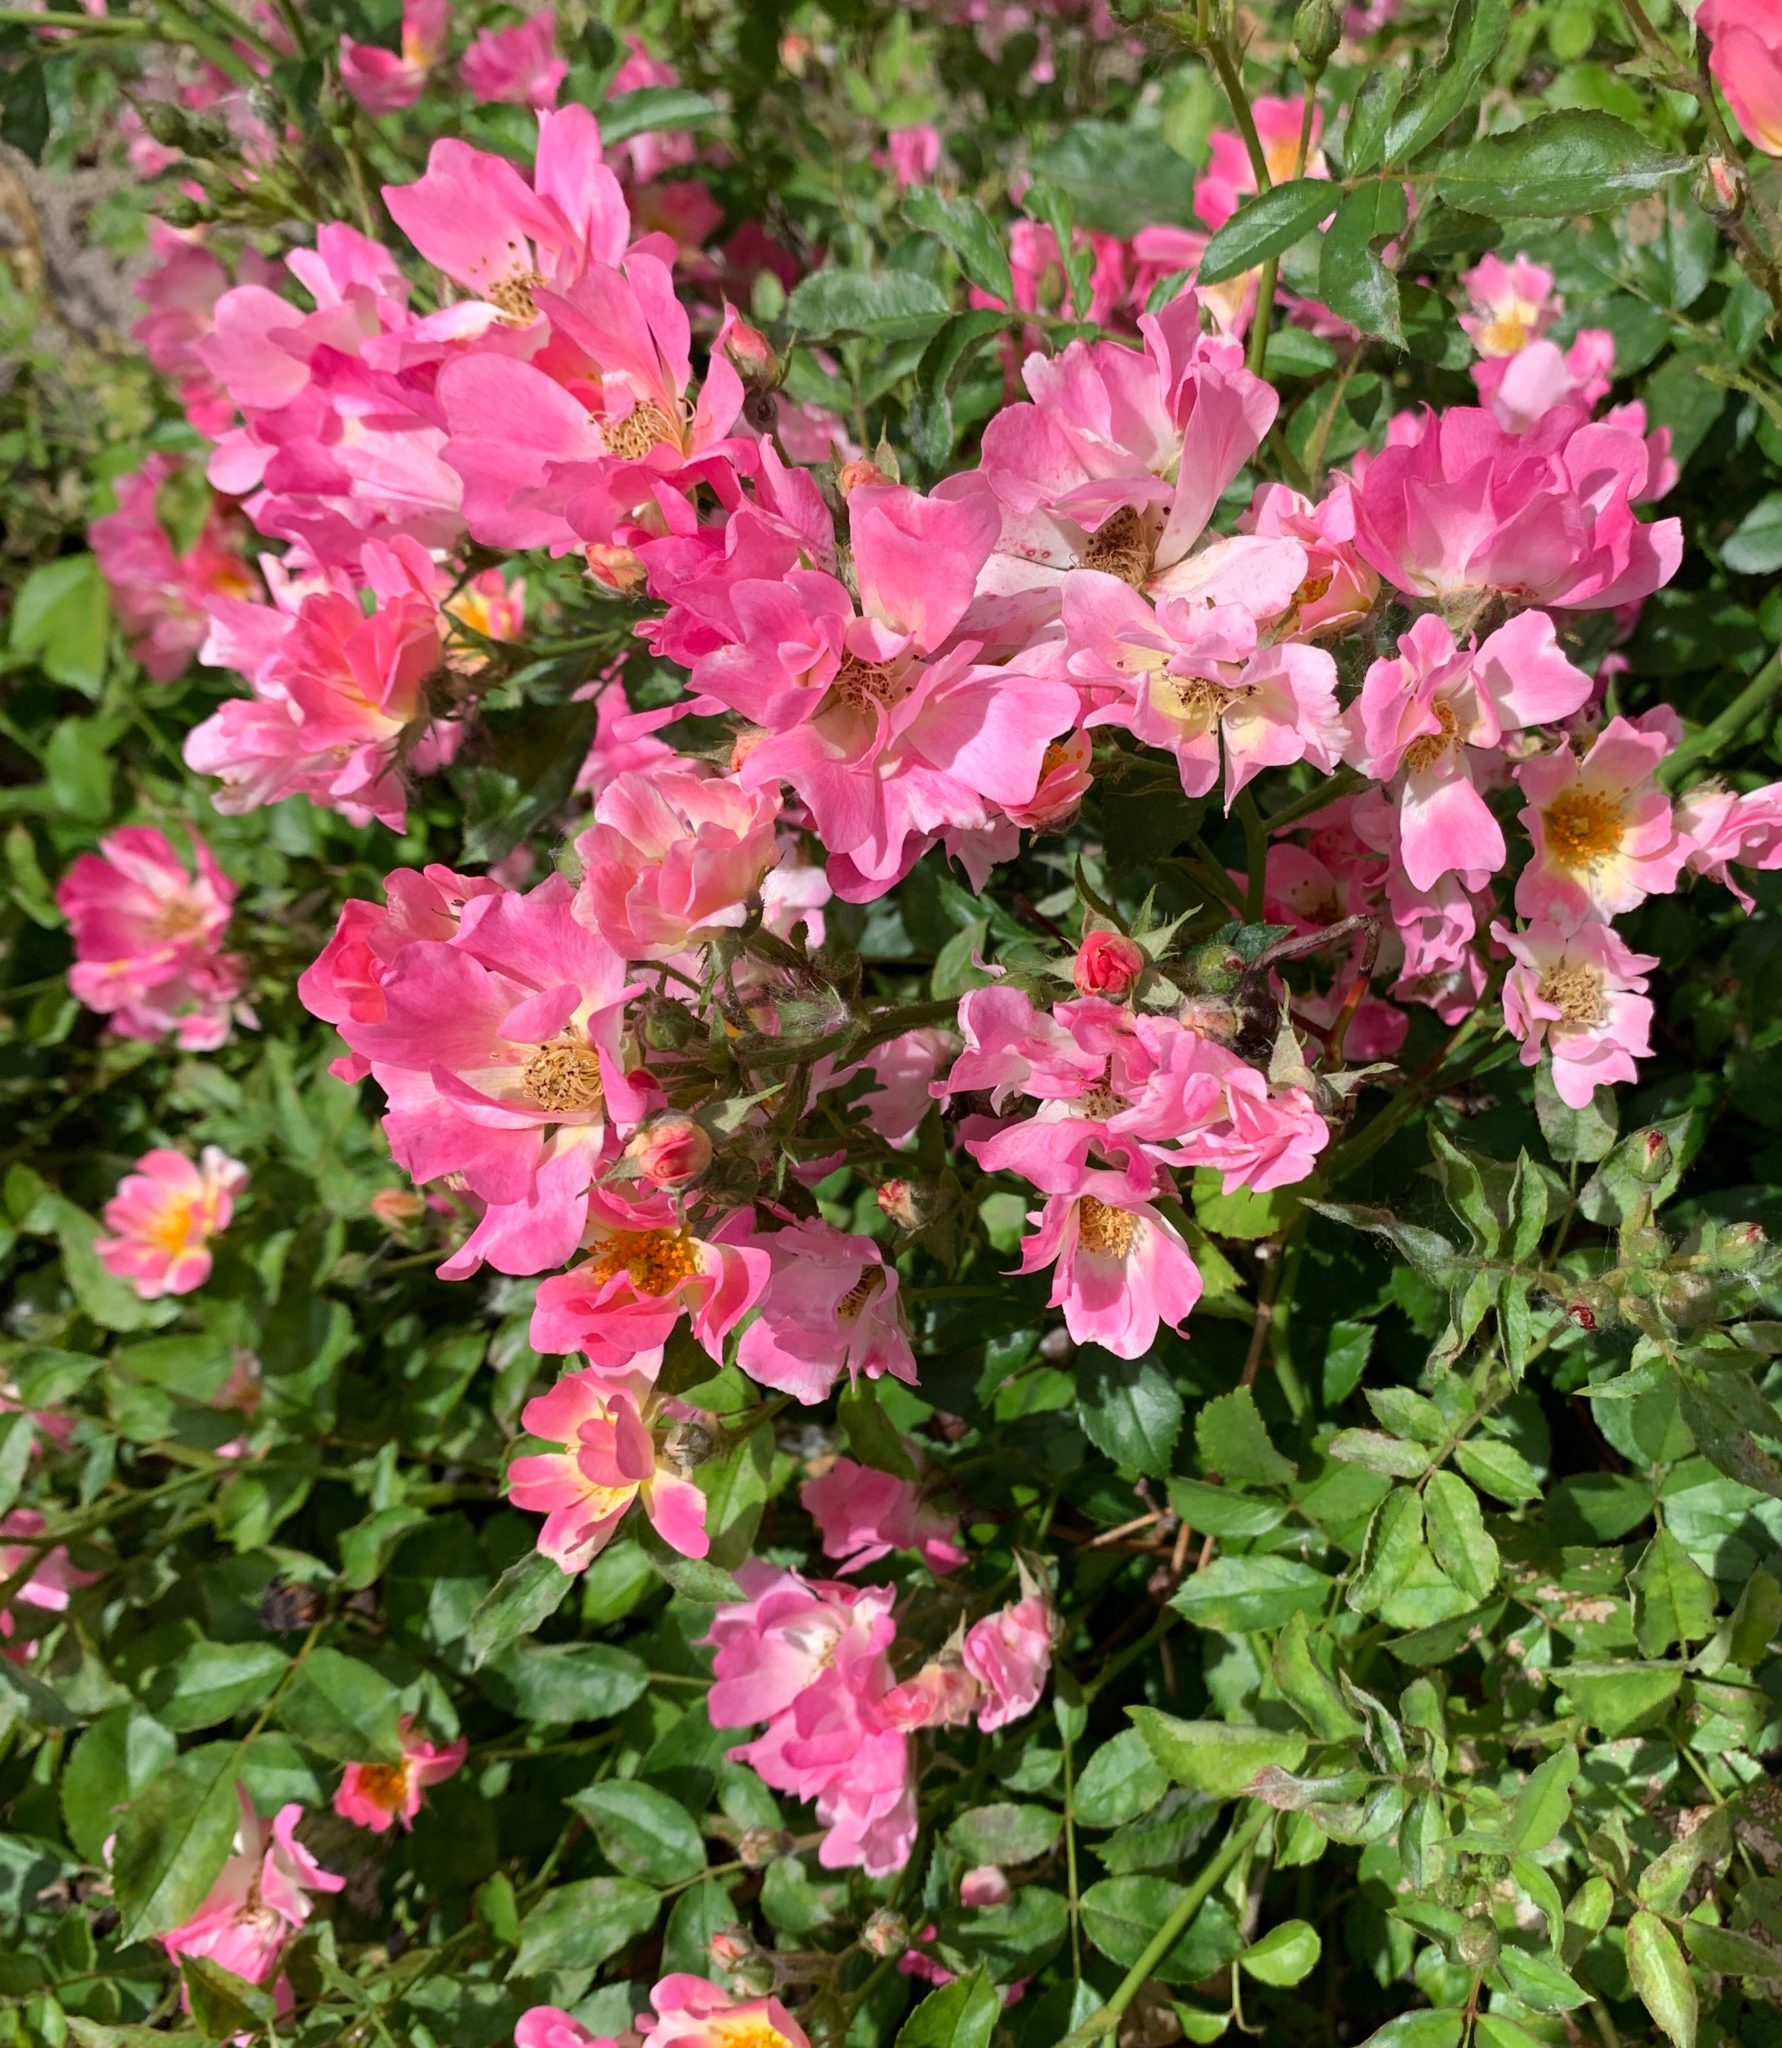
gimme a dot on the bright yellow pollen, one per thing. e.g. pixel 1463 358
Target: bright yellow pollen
pixel 747 2030
pixel 1120 547
pixel 1314 587
pixel 384 1785
pixel 1583 826
pixel 1103 1229
pixel 1423 754
pixel 172 1230
pixel 1575 990
pixel 656 1260
pixel 563 1076
pixel 1505 334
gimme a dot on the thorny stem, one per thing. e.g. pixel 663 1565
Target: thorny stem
pixel 1105 2019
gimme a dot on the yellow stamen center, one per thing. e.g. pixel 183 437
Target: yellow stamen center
pixel 1314 587
pixel 656 1260
pixel 1103 1229
pixel 644 427
pixel 178 918
pixel 512 298
pixel 1423 754
pixel 1575 990
pixel 1583 827
pixel 385 1785
pixel 1505 334
pixel 563 1076
pixel 1121 547
pixel 172 1230
pixel 747 2030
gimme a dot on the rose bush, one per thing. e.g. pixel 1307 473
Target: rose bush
pixel 894 1112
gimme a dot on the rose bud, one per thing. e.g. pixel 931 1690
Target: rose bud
pixel 670 1150
pixel 614 568
pixel 985 1886
pixel 885 1934
pixel 1108 963
pixel 852 475
pixel 897 1200
pixel 396 1208
pixel 748 350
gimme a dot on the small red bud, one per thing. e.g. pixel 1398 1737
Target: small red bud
pixel 749 353
pixel 1108 963
pixel 897 1200
pixel 985 1886
pixel 1582 1314
pixel 396 1208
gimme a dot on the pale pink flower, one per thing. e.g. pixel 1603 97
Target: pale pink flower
pixel 1456 506
pixel 643 1267
pixel 692 2013
pixel 1578 996
pixel 986 1884
pixel 1193 679
pixel 863 1515
pixel 1338 587
pixel 1120 1269
pixel 163 1216
pixel 549 2026
pixel 148 936
pixel 903 1069
pixel 673 856
pixel 52 1580
pixel 1745 52
pixel 160 597
pixel 609 1459
pixel 1230 177
pixel 1009 1653
pixel 1604 835
pixel 519 64
pixel 1425 720
pixel 260 1898
pixel 1522 389
pixel 385 81
pixel 377 1796
pixel 1721 828
pixel 1511 304
pixel 830 1306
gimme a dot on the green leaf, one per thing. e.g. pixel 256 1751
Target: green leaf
pixel 578 1926
pixel 1499 1469
pixel 1674 1599
pixel 533 757
pixel 1222 1510
pixel 1117 179
pixel 642 1832
pixel 1006 1834
pixel 1476 33
pixel 1754 547
pixel 222 2003
pixel 1370 120
pixel 1668 1876
pixel 1544 1804
pixel 561 1683
pixel 872 1436
pixel 1618 1698
pixel 694 1578
pixel 1119 1782
pixel 1540 1982
pixel 1121 1915
pixel 1458 1538
pixel 1216 1757
pixel 1374 1451
pixel 1352 281
pixel 120 1754
pixel 892 306
pixel 1389 1551
pixel 214 1682
pixel 1307 1687
pixel 61 618
pixel 969 232
pixel 1420 2030
pixel 1130 1411
pixel 1732 1421
pixel 736 1488
pixel 173 1839
pixel 1731 1953
pixel 962 2014
pixel 1661 1978
pixel 1233 1441
pixel 1284 1955
pixel 340 1706
pixel 526 1594
pixel 1554 166
pixel 1234 1595
pixel 1264 225
pixel 653 107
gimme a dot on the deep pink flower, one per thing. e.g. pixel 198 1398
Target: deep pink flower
pixel 673 856
pixel 912 153
pixel 609 1459
pixel 377 1796
pixel 1745 52
pixel 1009 1653
pixel 1544 517
pixel 259 1900
pixel 161 597
pixel 863 1515
pixel 1120 1269
pixel 549 2026
pixel 1604 836
pixel 1580 997
pixel 148 939
pixel 830 1306
pixel 1424 720
pixel 52 1576
pixel 519 64
pixel 386 81
pixel 1107 964
pixel 163 1216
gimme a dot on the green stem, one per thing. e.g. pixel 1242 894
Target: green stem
pixel 1725 729
pixel 1330 791
pixel 1255 856
pixel 1271 270
pixel 1105 2019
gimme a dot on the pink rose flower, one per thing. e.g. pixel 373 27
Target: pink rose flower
pixel 1580 997
pixel 260 1898
pixel 1120 1270
pixel 863 1515
pixel 549 2026
pixel 1107 964
pixel 1604 835
pixel 376 1796
pixel 692 2013
pixel 163 1216
pixel 518 65
pixel 830 1306
pixel 1511 304
pixel 1009 1653
pixel 386 81
pixel 1745 55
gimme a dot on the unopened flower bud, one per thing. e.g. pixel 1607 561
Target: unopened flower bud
pixel 1211 1017
pixel 1216 969
pixel 1652 1156
pixel 730 1946
pixel 985 1886
pixel 941 1695
pixel 1742 1246
pixel 1581 1315
pixel 670 1150
pixel 687 1446
pixel 1317 30
pixel 1720 186
pixel 747 1970
pixel 885 1934
pixel 749 353
pixel 397 1208
pixel 897 1200
pixel 758 1847
pixel 614 568
pixel 1108 964
pixel 853 474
